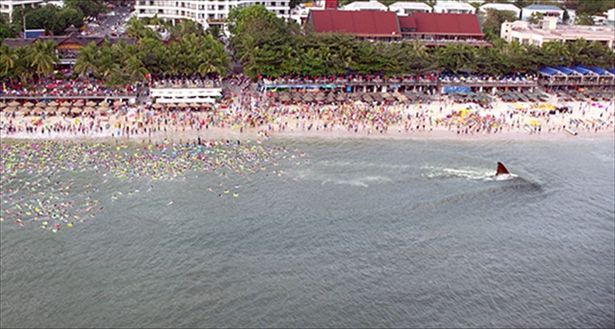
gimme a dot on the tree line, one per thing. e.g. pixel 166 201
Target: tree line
pixel 267 45
pixel 51 18
pixel 121 62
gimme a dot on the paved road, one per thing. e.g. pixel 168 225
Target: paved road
pixel 112 24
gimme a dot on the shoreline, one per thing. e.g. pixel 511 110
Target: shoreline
pixel 254 135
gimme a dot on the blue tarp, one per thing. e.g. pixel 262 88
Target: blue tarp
pixel 549 71
pixel 583 70
pixel 599 70
pixel 612 71
pixel 457 90
pixel 565 70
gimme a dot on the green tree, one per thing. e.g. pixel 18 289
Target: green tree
pixel 536 18
pixel 8 59
pixel 186 27
pixel 87 7
pixel 492 22
pixel 135 69
pixel 87 60
pixel 584 19
pixel 41 57
pixel 594 7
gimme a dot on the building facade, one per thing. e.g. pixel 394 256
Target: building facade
pixel 204 12
pixel 545 10
pixel 404 8
pixel 432 29
pixel 526 34
pixel 7 6
pixel 501 7
pixel 453 7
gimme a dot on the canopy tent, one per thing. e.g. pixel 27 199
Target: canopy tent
pixel 550 72
pixel 566 70
pixel 599 70
pixel 583 70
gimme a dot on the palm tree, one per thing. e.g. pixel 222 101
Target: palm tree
pixel 134 69
pixel 8 58
pixel 42 57
pixel 87 59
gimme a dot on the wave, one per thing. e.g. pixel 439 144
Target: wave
pixel 362 164
pixel 360 182
pixel 469 173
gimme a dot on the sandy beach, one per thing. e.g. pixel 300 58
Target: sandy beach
pixel 437 120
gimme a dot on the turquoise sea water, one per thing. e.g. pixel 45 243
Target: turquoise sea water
pixel 355 234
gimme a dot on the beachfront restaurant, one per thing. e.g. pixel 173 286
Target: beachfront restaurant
pixel 576 76
pixel 196 96
pixel 355 84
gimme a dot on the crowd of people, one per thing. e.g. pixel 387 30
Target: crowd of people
pixel 245 109
pixel 60 86
pixel 182 81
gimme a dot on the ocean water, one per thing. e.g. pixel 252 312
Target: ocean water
pixel 360 234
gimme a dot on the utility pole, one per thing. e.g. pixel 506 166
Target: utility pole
pixel 24 25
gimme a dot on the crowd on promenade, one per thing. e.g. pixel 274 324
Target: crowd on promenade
pixel 185 81
pixel 350 79
pixel 61 87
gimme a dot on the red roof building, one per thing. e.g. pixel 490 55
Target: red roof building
pixel 447 26
pixel 372 24
pixel 433 28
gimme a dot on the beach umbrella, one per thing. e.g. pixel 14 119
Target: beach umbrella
pixel 79 102
pixel 28 104
pixel 2 105
pixel 52 103
pixel 340 97
pixel 104 104
pixel 533 122
pixel 76 110
pixel 63 109
pixel 284 98
pixel 11 109
pixel 88 109
pixel 90 104
pixel 14 103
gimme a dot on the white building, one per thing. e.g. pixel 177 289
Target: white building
pixel 365 5
pixel 610 15
pixel 545 10
pixel 7 6
pixel 204 12
pixel 501 7
pixel 526 34
pixel 453 7
pixel 300 13
pixel 185 95
pixel 404 8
